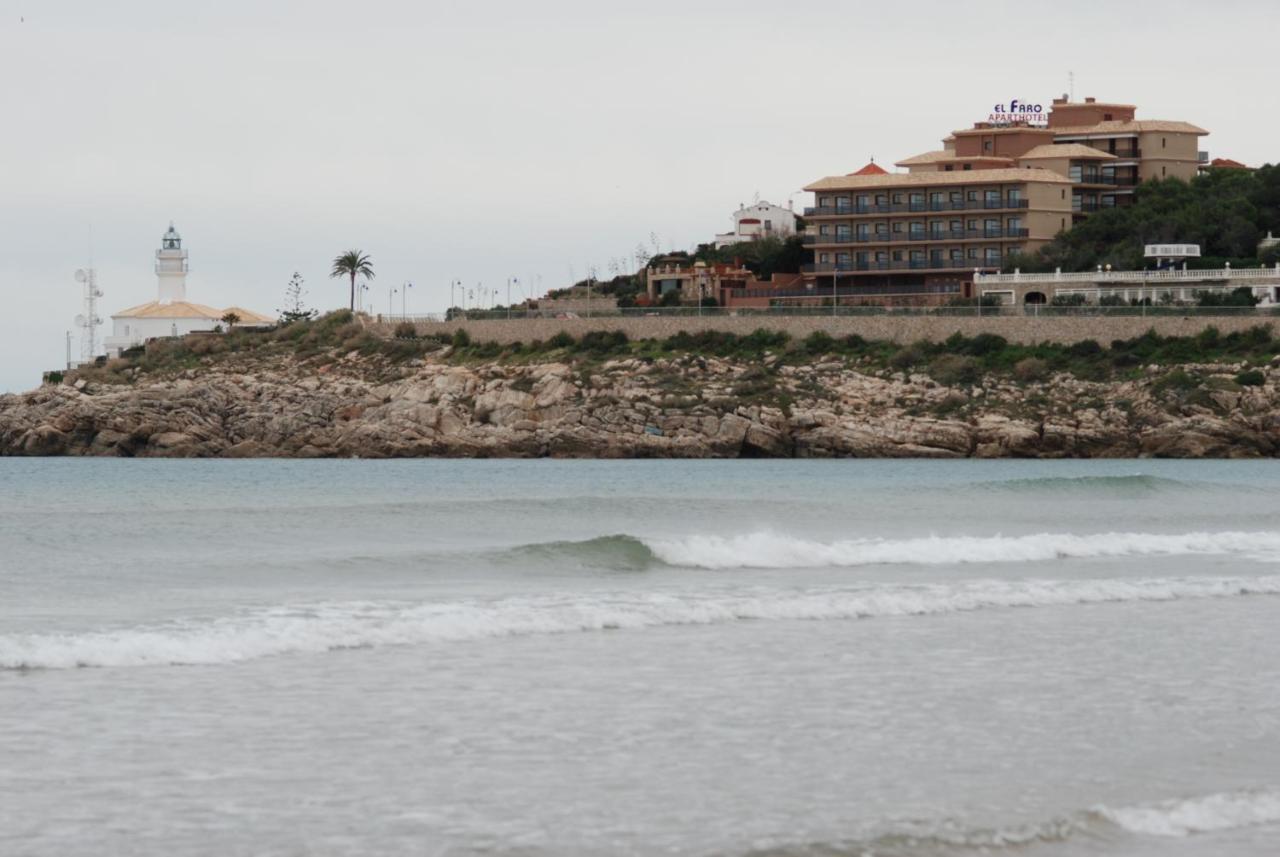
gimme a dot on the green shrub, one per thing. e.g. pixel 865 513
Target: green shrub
pixel 461 339
pixel 819 342
pixel 561 340
pixel 601 341
pixel 955 369
pixel 406 330
pixel 1031 369
pixel 1251 378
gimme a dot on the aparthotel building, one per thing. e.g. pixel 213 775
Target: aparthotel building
pixel 991 191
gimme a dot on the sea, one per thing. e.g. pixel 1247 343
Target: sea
pixel 710 658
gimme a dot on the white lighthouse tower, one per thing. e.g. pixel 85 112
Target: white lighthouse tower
pixel 171 267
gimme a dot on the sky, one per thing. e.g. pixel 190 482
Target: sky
pixel 485 141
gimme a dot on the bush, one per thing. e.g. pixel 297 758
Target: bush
pixel 1067 300
pixel 561 340
pixel 461 339
pixel 1085 348
pixel 601 341
pixel 819 342
pixel 406 330
pixel 955 369
pixel 1031 369
pixel 1251 378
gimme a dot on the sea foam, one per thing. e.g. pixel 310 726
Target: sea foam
pixel 774 550
pixel 347 625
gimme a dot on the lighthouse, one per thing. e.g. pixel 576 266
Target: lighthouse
pixel 171 314
pixel 171 268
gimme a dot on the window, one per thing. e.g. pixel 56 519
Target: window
pixel 973 252
pixel 937 200
pixel 957 226
pixel 973 225
pixel 917 258
pixel 948 168
pixel 991 227
pixel 957 198
pixel 842 260
pixel 863 201
pixel 1014 225
pixel 882 256
pixel 864 230
pixel 897 199
pixel 842 231
pixel 986 145
pixel 1164 171
pixel 768 226
pixel 957 256
pixel 897 255
pixel 882 199
pixel 967 167
pixel 1106 117
pixel 897 227
pixel 824 229
pixel 993 256
pixel 1064 193
pixel 824 258
pixel 1015 197
pixel 973 196
pixel 126 330
pixel 1164 142
pixel 991 198
pixel 916 201
pixel 917 229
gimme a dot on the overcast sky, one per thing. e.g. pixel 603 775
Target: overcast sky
pixel 489 140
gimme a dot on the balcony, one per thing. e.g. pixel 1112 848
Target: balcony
pixel 915 207
pixel 931 235
pixel 906 265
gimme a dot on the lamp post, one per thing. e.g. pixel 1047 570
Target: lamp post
pixel 390 297
pixel 404 300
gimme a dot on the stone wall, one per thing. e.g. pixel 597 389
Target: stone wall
pixel 900 329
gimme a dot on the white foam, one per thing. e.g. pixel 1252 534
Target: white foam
pixel 1207 814
pixel 326 627
pixel 772 550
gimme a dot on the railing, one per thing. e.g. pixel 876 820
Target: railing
pixel 913 208
pixel 1167 276
pixel 942 235
pixel 847 309
pixel 907 265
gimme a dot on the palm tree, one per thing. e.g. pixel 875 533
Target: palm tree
pixel 352 263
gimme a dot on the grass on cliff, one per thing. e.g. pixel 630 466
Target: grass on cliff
pixel 956 361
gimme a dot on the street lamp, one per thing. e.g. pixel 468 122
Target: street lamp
pixel 404 297
pixel 390 310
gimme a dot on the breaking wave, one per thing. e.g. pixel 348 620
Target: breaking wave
pixel 1173 818
pixel 347 625
pixel 775 550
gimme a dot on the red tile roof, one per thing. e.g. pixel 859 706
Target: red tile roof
pixel 1228 164
pixel 871 169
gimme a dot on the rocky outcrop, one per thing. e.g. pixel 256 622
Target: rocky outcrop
pixel 681 406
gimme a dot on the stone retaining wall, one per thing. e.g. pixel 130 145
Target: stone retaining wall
pixel 899 329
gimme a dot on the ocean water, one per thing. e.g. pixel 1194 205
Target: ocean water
pixel 639 658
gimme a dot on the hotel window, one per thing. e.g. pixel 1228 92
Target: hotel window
pixel 916 201
pixel 824 258
pixel 973 196
pixel 842 202
pixel 1064 193
pixel 948 168
pixel 864 231
pixel 824 229
pixel 842 231
pixel 973 225
pixel 1014 225
pixel 917 258
pixel 957 198
pixel 897 226
pixel 957 226
pixel 882 256
pixel 968 167
pixel 1076 173
pixel 937 228
pixel 917 229
pixel 842 260
pixel 882 199
pixel 897 255
pixel 860 259
pixel 991 228
pixel 936 257
pixel 957 256
pixel 936 201
pixel 1015 197
pixel 1164 142
pixel 897 199
pixel 973 252
pixel 986 145
pixel 993 256
pixel 863 202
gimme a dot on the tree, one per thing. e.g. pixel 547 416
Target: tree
pixel 295 308
pixel 353 263
pixel 230 320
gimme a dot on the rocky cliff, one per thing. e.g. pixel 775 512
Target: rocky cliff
pixel 676 406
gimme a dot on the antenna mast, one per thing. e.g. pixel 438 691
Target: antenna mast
pixel 1071 80
pixel 89 322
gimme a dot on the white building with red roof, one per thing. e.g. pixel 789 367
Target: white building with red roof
pixel 171 314
pixel 758 220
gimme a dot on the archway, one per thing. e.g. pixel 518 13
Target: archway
pixel 1035 298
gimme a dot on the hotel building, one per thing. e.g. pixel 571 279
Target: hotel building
pixel 991 191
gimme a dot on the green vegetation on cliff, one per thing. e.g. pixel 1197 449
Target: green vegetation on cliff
pixel 1227 212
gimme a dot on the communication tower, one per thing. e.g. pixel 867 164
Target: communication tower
pixel 90 321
